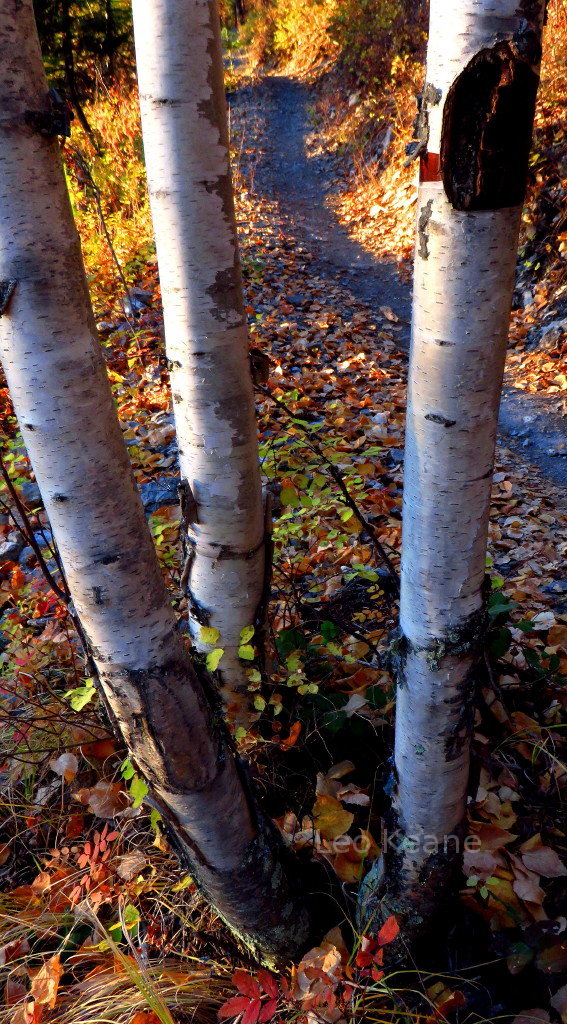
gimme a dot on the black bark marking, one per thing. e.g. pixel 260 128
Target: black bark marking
pixel 7 289
pixel 418 145
pixel 97 595
pixel 434 417
pixel 487 126
pixel 60 498
pixel 424 218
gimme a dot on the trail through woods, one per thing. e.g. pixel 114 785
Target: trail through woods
pixel 282 170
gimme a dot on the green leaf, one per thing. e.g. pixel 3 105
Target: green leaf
pixel 499 642
pixel 531 657
pixel 81 695
pixel 127 769
pixel 259 703
pixel 246 634
pixel 288 496
pixel 131 916
pixel 155 818
pixel 246 652
pixel 209 635
pixel 213 658
pixel 328 630
pixel 138 790
pixel 499 604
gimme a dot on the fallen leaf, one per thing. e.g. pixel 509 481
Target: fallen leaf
pixel 105 799
pixel 529 1016
pixel 330 817
pixel 545 861
pixel 559 1003
pixel 45 985
pixel 130 865
pixel 66 765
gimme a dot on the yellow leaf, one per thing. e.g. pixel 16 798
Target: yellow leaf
pixel 330 817
pixel 213 657
pixel 209 635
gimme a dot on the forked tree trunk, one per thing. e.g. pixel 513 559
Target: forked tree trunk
pixel 62 398
pixel 475 130
pixel 184 123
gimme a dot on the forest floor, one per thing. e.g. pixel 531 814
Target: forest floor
pixel 96 923
pixel 300 183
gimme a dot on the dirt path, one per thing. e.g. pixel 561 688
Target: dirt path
pixel 284 173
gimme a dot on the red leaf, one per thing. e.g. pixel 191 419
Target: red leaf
pixel 376 974
pixel 253 1012
pixel 267 1011
pixel 364 958
pixel 268 983
pixel 246 984
pixel 233 1006
pixel 388 931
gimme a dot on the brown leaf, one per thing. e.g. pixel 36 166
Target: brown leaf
pixel 106 799
pixel 130 865
pixel 531 1017
pixel 544 860
pixel 491 836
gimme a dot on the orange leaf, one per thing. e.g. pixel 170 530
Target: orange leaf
pixel 293 736
pixel 388 931
pixel 45 985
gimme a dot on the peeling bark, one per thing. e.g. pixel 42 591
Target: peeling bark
pixel 185 131
pixel 61 394
pixel 483 64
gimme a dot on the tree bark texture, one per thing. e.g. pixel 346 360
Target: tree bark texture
pixel 61 394
pixel 184 122
pixel 473 133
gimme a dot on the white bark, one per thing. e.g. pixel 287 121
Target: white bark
pixel 62 398
pixel 464 275
pixel 185 133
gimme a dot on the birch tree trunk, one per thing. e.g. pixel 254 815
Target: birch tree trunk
pixel 184 122
pixel 474 133
pixel 61 394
